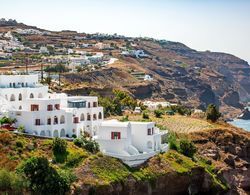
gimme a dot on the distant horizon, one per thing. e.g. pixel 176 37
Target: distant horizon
pixel 209 25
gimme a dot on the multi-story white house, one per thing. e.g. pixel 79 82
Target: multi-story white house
pixel 132 142
pixel 47 114
pixel 58 115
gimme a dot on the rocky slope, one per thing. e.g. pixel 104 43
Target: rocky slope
pixel 180 74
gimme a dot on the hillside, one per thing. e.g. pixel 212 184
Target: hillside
pixel 223 154
pixel 180 74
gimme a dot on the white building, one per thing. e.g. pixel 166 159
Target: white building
pixel 43 50
pixel 46 114
pixel 132 142
pixel 58 115
pixel 153 105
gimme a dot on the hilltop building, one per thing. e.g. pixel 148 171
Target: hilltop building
pixel 57 115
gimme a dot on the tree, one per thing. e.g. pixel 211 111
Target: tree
pixel 187 148
pixel 158 113
pixel 43 178
pixel 59 148
pixel 212 113
pixel 145 115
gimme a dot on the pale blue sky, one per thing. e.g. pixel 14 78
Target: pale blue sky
pixel 216 25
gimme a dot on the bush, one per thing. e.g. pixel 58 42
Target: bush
pixel 11 181
pixel 43 178
pixel 187 148
pixel 74 159
pixel 172 141
pixel 59 147
pixel 145 115
pixel 212 113
pixel 19 144
pixel 87 143
pixel 124 119
pixel 158 113
pixel 182 110
pixel 21 129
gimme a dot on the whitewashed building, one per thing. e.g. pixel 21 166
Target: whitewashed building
pixel 47 114
pixel 132 142
pixel 57 115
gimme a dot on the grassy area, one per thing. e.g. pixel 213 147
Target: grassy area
pixel 176 123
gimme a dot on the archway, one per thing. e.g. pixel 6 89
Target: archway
pixel 55 133
pixel 31 95
pixel 12 98
pixel 62 133
pixel 42 133
pixel 48 133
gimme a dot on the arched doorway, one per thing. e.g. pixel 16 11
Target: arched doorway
pixel 42 133
pixel 62 133
pixel 55 133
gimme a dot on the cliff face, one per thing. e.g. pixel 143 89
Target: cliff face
pixel 180 75
pixel 229 151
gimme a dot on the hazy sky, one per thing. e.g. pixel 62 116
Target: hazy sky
pixel 216 25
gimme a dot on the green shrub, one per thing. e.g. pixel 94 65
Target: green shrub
pixel 124 119
pixel 19 144
pixel 74 159
pixel 182 110
pixel 145 115
pixel 21 129
pixel 172 141
pixel 87 143
pixel 158 113
pixel 187 148
pixel 59 147
pixel 11 181
pixel 43 178
pixel 212 113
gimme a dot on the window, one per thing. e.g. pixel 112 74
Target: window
pixel 100 115
pixel 34 107
pixel 115 135
pixel 62 119
pixel 12 98
pixel 94 104
pixel 50 107
pixel 20 97
pixel 82 117
pixel 76 120
pixel 149 132
pixel 94 117
pixel 49 121
pixel 55 120
pixel 88 117
pixel 89 105
pixel 31 95
pixel 37 122
pixel 57 106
